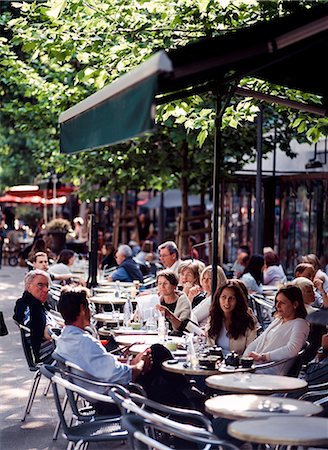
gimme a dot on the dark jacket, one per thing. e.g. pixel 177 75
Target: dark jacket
pixel 30 312
pixel 132 269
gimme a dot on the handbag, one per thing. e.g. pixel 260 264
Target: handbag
pixel 3 327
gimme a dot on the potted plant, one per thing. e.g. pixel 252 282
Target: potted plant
pixel 58 229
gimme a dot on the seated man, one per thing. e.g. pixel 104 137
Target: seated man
pixel 78 346
pixel 31 312
pixel 128 269
pixel 40 261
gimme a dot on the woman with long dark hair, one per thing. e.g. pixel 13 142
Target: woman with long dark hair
pixel 253 274
pixel 231 324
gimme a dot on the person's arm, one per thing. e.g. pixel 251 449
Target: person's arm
pixel 120 274
pixel 176 323
pixel 296 339
pixel 141 364
pixel 318 284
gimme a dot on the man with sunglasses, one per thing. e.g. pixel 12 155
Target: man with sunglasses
pixel 30 310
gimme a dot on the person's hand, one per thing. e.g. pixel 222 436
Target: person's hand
pixel 162 309
pixel 324 342
pixel 257 357
pixel 186 287
pixel 148 361
pixel 193 291
pixel 318 284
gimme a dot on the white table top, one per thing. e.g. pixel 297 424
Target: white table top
pixel 113 283
pixel 107 299
pixel 241 406
pixel 107 317
pixel 149 339
pixel 255 383
pixel 282 430
pixel 129 331
pixel 182 368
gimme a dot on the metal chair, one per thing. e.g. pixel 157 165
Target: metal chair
pixel 262 309
pixel 33 367
pixel 151 431
pixel 102 430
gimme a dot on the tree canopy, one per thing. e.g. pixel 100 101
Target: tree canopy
pixel 55 53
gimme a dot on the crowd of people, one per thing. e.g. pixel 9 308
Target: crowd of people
pixel 184 298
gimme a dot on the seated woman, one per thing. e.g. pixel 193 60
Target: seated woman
pixel 286 335
pixel 231 325
pixel 202 310
pixel 307 288
pixel 319 274
pixel 108 256
pixel 172 303
pixel 273 273
pixel 200 314
pixel 253 274
pixel 65 260
pixel 189 275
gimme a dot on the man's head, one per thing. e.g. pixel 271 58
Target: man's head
pixel 168 253
pixel 40 261
pixel 73 305
pixel 37 284
pixel 123 252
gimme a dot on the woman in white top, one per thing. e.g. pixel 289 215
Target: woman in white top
pixel 286 335
pixel 201 312
pixel 273 273
pixel 253 274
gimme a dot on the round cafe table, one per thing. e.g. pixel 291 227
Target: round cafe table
pixel 255 383
pixel 239 406
pixel 149 339
pixel 305 431
pixel 182 368
pixel 107 317
pixel 108 299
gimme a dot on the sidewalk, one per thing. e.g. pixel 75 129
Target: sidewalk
pixel 15 381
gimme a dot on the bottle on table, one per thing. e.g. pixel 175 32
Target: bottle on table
pixel 127 312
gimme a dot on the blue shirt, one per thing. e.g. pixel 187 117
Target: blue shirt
pixel 79 347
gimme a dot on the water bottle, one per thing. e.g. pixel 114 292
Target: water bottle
pixel 117 293
pixel 192 358
pixel 161 328
pixel 128 310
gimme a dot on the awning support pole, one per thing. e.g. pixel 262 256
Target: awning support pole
pixel 258 219
pixel 216 187
pixel 220 107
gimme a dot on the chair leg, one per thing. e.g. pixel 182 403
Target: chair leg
pixel 34 387
pixel 47 387
pixel 55 435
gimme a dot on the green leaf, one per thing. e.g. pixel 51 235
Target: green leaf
pixel 57 7
pixel 202 5
pixel 201 137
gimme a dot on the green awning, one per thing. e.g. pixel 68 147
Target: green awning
pixel 286 51
pixel 122 110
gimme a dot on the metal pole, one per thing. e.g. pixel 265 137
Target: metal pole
pixel 258 229
pixel 54 180
pixel 216 190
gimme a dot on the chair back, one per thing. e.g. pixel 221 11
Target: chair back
pixel 27 347
pixel 150 431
